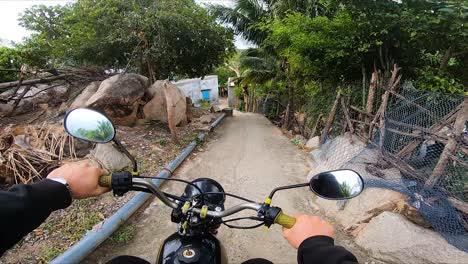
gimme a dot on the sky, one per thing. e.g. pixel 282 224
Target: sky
pixel 10 10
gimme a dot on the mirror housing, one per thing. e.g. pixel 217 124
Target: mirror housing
pixel 89 125
pixel 337 185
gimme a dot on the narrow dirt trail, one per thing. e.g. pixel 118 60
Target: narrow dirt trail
pixel 249 157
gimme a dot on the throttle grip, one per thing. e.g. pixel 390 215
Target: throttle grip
pixel 285 220
pixel 105 181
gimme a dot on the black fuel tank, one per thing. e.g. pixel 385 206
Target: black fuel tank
pixel 178 249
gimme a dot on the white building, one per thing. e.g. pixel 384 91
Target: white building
pixel 200 89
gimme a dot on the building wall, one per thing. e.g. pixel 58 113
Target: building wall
pixel 193 87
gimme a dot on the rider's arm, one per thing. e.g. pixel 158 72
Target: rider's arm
pixel 313 238
pixel 321 249
pixel 24 207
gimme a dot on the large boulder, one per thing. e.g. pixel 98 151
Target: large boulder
pixel 119 95
pixel 167 101
pixel 391 238
pixel 83 97
pixel 110 157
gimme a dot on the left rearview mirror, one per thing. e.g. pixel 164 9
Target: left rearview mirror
pixel 339 184
pixel 89 125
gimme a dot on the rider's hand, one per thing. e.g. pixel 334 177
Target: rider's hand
pixel 306 226
pixel 82 179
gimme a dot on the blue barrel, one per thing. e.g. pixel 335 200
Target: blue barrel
pixel 206 95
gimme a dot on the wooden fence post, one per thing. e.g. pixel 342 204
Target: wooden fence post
pixel 451 145
pixel 371 96
pixel 330 119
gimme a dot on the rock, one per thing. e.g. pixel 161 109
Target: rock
pixel 84 96
pixel 119 95
pixel 215 109
pixel 110 157
pixel 313 143
pixel 207 119
pixel 334 154
pixel 5 108
pixel 391 238
pixel 362 207
pixel 156 109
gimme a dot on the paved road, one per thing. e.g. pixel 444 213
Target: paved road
pixel 249 157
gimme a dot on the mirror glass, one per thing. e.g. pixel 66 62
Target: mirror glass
pixel 89 125
pixel 339 184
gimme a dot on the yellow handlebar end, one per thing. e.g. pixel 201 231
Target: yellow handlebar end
pixel 105 181
pixel 268 201
pixel 285 220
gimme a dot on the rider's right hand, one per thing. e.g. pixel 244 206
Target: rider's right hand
pixel 307 226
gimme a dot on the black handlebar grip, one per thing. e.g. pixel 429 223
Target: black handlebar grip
pixel 105 181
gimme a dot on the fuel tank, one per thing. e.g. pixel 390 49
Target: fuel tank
pixel 179 249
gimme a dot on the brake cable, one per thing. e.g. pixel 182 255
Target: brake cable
pixel 227 194
pixel 242 218
pixel 177 180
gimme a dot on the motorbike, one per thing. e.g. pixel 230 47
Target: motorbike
pixel 200 210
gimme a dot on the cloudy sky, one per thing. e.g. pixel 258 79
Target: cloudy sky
pixel 10 9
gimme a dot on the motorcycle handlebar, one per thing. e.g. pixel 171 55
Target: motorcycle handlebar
pixel 282 219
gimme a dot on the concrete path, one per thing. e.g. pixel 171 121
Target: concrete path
pixel 249 157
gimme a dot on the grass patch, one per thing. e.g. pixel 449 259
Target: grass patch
pixel 49 252
pixel 162 142
pixel 204 104
pixel 123 235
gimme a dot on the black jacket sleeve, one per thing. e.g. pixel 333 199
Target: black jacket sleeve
pixel 24 207
pixel 322 250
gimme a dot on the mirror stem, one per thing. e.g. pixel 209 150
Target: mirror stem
pixel 287 187
pixel 125 151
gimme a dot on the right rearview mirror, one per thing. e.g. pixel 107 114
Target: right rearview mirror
pixel 336 185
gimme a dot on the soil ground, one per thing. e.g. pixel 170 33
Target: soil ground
pixel 249 157
pixel 151 145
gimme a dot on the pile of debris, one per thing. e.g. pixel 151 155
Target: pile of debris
pixel 27 153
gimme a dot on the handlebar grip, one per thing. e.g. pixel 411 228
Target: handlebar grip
pixel 285 220
pixel 105 181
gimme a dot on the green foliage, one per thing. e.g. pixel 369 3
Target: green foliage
pixel 10 59
pixel 223 73
pixel 177 36
pixel 295 141
pixel 434 80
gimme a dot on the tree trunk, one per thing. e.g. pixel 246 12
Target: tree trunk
pixel 290 105
pixel 445 59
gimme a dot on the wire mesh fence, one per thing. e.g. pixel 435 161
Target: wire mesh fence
pixel 421 150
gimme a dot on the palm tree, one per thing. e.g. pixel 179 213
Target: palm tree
pixel 243 16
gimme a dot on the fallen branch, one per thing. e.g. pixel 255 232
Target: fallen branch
pixel 5 86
